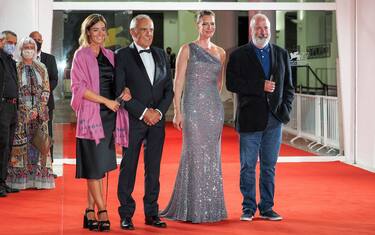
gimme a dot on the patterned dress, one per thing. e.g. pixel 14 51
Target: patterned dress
pixel 198 192
pixel 28 168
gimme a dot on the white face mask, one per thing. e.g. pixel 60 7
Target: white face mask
pixel 28 54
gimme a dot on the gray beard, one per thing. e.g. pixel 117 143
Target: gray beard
pixel 260 42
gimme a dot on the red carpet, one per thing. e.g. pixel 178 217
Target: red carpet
pixel 314 198
pixel 173 142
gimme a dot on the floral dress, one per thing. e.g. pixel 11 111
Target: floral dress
pixel 28 168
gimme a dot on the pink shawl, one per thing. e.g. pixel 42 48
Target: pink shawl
pixel 85 75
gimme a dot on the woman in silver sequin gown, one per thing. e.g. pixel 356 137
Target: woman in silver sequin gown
pixel 198 192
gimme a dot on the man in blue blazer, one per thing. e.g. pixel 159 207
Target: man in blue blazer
pixel 146 72
pixel 259 73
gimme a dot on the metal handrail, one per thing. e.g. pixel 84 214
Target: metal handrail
pixel 325 87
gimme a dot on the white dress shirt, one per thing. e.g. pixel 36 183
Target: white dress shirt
pixel 38 56
pixel 148 62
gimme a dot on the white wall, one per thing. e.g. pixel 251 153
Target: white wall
pixel 356 46
pixel 25 16
pixel 365 84
pixel 346 80
pixel 21 20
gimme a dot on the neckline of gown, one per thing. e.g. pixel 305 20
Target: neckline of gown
pixel 206 52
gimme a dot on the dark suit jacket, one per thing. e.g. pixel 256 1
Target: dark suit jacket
pixel 50 62
pixel 2 77
pixel 245 77
pixel 131 72
pixel 8 71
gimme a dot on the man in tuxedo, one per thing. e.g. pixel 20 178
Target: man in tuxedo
pixel 49 61
pixel 259 73
pixel 146 72
pixel 8 105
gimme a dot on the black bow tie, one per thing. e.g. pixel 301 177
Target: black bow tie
pixel 147 51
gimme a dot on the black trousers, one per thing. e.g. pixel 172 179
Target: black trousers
pixel 8 120
pixel 152 139
pixel 50 128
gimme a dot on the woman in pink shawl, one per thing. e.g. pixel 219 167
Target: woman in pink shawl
pixel 100 119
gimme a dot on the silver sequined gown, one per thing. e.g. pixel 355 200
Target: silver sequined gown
pixel 198 192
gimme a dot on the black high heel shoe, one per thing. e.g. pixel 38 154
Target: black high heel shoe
pixel 91 224
pixel 103 226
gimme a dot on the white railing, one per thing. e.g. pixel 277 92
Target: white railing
pixel 315 118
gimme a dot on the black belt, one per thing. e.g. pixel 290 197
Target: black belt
pixel 9 100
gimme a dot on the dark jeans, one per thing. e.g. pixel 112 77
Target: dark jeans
pixel 8 119
pixel 266 144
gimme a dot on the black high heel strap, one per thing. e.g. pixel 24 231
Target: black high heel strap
pixel 102 211
pixel 89 210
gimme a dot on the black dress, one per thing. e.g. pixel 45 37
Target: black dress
pixel 93 161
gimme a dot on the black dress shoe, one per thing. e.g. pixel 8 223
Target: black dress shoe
pixel 3 192
pixel 10 190
pixel 127 223
pixel 155 221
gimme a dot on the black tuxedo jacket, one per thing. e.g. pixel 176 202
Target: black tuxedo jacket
pixel 50 62
pixel 2 77
pixel 131 72
pixel 245 77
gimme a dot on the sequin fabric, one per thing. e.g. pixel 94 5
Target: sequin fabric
pixel 198 192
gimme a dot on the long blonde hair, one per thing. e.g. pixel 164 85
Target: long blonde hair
pixel 90 20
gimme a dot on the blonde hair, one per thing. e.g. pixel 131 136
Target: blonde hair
pixel 90 20
pixel 200 14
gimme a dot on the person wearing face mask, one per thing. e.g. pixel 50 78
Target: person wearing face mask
pixel 49 61
pixel 28 167
pixel 259 73
pixel 8 107
pixel 10 42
